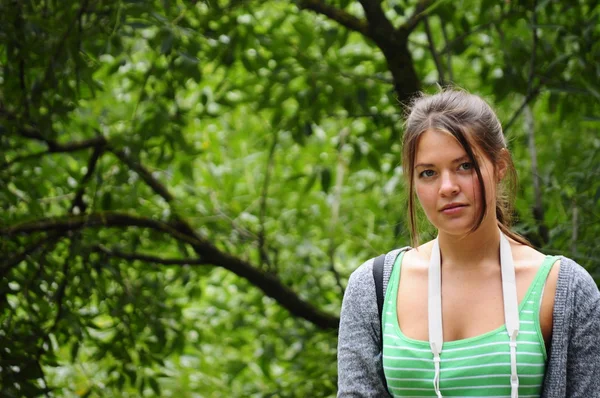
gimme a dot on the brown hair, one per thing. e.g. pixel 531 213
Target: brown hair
pixel 469 119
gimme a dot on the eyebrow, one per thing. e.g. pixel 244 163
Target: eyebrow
pixel 457 160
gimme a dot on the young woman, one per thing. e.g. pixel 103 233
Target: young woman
pixel 477 312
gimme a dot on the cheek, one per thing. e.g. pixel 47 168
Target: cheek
pixel 426 195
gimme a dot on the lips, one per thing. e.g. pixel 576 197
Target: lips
pixel 452 206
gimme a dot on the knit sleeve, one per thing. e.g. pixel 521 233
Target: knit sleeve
pixel 360 371
pixel 583 357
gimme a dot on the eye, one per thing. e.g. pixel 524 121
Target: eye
pixel 426 173
pixel 466 166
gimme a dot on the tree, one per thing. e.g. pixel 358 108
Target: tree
pixel 187 186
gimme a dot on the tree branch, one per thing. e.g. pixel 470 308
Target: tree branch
pixel 538 209
pixel 449 55
pixel 379 24
pixel 53 146
pixel 434 54
pixel 180 230
pixel 518 112
pixel 416 17
pixel 266 282
pixel 6 165
pixel 144 174
pixel 103 219
pixel 75 146
pixel 147 258
pixel 78 200
pixel 340 16
pixel 18 28
pixel 62 288
pixel 99 143
pixel 392 42
pixel 532 91
pixel 11 262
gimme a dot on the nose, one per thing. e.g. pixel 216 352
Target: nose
pixel 449 185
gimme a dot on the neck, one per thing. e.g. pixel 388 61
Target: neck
pixel 476 249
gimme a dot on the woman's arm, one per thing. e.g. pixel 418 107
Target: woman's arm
pixel 583 356
pixel 360 371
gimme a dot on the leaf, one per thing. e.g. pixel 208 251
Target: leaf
pixel 276 119
pixel 247 63
pixel 74 350
pixel 295 177
pixel 131 374
pixel 138 24
pixel 311 181
pixel 31 370
pixel 299 136
pixel 167 43
pixel 361 95
pixel 190 66
pixel 142 386
pixel 106 201
pixel 154 385
pixel 330 37
pixel 373 160
pixel 115 66
pixel 308 129
pixel 187 170
pixel 325 179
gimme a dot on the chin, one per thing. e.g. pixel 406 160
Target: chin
pixel 455 227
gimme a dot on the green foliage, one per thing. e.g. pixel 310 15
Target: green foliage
pixel 224 134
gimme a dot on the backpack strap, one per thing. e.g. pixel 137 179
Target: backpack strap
pixel 378 275
pixel 378 264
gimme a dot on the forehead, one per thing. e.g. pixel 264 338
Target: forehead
pixel 434 146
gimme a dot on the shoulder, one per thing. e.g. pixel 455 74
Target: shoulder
pixel 529 260
pixel 577 281
pixel 359 319
pixel 362 277
pixel 576 272
pixel 576 293
pixel 526 256
pixel 418 258
pixel 360 290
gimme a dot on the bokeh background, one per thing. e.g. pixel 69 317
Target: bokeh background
pixel 186 186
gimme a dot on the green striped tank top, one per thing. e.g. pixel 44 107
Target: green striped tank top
pixel 474 367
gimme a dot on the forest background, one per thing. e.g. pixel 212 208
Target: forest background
pixel 186 186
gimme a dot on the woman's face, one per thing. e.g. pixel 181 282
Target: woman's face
pixel 446 183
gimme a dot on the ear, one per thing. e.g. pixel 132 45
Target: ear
pixel 502 166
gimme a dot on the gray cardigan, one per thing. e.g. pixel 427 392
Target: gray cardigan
pixel 573 367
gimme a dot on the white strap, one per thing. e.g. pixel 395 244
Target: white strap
pixel 511 310
pixel 509 287
pixel 436 333
pixel 436 377
pixel 514 378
